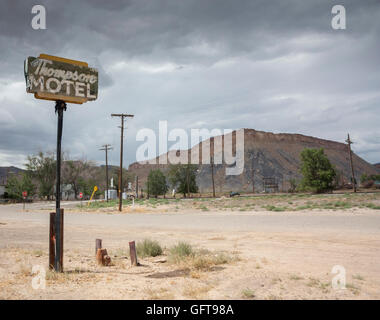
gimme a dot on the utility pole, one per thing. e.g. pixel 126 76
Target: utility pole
pixel 349 142
pixel 252 172
pixel 137 186
pixel 212 176
pixel 122 116
pixel 105 148
pixel 253 175
pixel 188 183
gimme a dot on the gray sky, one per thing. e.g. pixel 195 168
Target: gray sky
pixel 270 65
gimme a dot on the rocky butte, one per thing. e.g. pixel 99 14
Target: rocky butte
pixel 271 156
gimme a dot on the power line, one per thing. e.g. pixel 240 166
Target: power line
pixel 121 116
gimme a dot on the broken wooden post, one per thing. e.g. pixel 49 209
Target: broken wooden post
pixel 102 258
pixel 132 252
pixel 106 260
pixel 98 245
pixel 51 241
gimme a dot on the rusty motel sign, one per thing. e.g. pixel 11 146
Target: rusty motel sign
pixel 55 78
pixel 60 80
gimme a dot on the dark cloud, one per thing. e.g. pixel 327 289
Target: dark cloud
pixel 270 65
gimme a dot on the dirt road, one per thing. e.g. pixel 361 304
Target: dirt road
pixel 282 255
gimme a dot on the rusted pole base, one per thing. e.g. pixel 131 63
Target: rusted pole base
pixel 51 241
pixel 102 258
pixel 61 236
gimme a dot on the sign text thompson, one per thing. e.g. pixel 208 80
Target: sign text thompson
pixel 55 78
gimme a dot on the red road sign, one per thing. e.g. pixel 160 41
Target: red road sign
pixel 24 194
pixel 80 195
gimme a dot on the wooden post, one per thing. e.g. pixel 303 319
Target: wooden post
pixel 132 252
pixel 51 241
pixel 98 245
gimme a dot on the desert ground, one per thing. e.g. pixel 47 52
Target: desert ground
pixel 257 247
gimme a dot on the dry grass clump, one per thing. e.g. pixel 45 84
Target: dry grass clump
pixel 148 248
pixel 196 292
pixel 203 260
pixel 248 293
pixel 159 294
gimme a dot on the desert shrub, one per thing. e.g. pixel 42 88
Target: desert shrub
pixel 181 249
pixel 148 248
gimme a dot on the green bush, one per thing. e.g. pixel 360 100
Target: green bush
pixel 181 249
pixel 148 248
pixel 318 174
pixel 156 183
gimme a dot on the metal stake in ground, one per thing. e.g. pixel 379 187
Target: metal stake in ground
pixel 105 148
pixel 60 107
pixel 122 116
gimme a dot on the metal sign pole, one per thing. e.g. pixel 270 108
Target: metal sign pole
pixel 60 106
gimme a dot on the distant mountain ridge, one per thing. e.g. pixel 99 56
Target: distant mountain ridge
pixel 6 171
pixel 274 156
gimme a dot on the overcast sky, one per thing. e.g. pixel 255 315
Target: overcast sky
pixel 269 65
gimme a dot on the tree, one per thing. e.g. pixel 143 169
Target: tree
pixel 157 183
pixel 317 171
pixel 72 172
pixel 16 184
pixel 183 177
pixel 43 168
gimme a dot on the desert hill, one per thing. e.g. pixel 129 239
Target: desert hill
pixel 272 156
pixel 6 171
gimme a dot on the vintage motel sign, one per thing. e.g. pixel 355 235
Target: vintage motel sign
pixel 55 78
pixel 60 80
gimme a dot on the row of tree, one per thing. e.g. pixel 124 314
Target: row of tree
pixel 81 175
pixel 180 177
pixel 318 175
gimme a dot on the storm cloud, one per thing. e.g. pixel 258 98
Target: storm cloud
pixel 268 65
